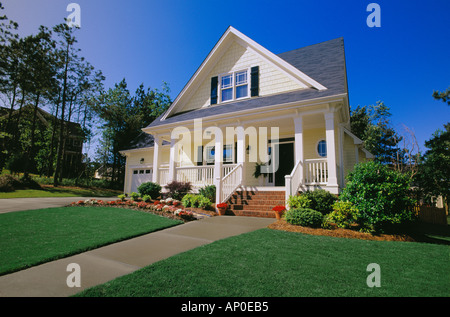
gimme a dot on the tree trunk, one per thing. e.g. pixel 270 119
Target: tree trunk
pixel 33 128
pixel 61 131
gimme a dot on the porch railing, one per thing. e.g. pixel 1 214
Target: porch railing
pixel 316 172
pixel 230 182
pixel 163 176
pixel 294 180
pixel 198 176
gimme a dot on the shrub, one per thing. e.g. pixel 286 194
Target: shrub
pixel 299 201
pixel 178 190
pixel 146 198
pixel 321 200
pixel 122 197
pixel 380 194
pixel 186 200
pixel 149 188
pixel 344 214
pixel 8 183
pixel 208 192
pixel 134 196
pixel 204 202
pixel 304 217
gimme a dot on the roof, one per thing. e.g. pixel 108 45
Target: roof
pixel 143 140
pixel 324 62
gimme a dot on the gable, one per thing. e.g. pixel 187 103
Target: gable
pixel 238 57
pixel 235 51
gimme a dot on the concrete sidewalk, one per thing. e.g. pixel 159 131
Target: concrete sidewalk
pixel 19 204
pixel 106 263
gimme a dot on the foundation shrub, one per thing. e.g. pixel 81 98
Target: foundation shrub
pixel 305 217
pixel 151 189
pixel 321 200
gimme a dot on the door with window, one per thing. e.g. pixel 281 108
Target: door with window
pixel 286 162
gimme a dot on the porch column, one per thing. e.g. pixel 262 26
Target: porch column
pixel 172 172
pixel 331 151
pixel 218 154
pixel 298 122
pixel 156 156
pixel 241 149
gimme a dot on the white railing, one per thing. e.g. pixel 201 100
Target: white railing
pixel 294 180
pixel 198 176
pixel 316 172
pixel 230 182
pixel 163 176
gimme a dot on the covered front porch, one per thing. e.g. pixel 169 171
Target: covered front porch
pixel 298 152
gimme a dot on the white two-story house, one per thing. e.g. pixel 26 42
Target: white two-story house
pixel 246 110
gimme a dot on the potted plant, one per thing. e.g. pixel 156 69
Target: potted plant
pixel 222 207
pixel 279 211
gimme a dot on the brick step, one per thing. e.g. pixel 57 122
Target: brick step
pixel 258 197
pixel 247 213
pixel 258 202
pixel 254 207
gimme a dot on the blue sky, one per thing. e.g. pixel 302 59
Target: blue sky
pixel 147 41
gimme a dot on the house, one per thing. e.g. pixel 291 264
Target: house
pixel 284 118
pixel 73 137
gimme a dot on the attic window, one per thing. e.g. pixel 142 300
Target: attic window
pixel 234 86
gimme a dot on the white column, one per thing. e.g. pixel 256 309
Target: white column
pixel 156 157
pixel 218 157
pixel 331 151
pixel 298 122
pixel 172 161
pixel 241 149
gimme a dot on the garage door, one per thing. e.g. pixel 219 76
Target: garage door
pixel 140 176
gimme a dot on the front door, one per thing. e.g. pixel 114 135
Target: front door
pixel 286 162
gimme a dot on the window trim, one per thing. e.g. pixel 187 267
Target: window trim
pixel 233 85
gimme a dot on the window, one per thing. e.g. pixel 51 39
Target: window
pixel 227 154
pixel 234 86
pixel 322 148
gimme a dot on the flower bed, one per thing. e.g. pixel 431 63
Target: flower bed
pixel 334 231
pixel 168 208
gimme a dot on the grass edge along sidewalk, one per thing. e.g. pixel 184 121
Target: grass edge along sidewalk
pixel 32 237
pixel 273 263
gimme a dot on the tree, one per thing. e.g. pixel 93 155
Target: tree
pixel 434 172
pixel 372 125
pixel 444 95
pixel 124 115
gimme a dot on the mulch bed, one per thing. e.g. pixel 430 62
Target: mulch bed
pixel 338 232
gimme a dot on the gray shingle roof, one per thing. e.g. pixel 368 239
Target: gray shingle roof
pixel 323 62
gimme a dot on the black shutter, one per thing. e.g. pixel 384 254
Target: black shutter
pixel 214 88
pixel 200 155
pixel 254 87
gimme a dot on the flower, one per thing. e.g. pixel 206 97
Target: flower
pixel 222 205
pixel 279 208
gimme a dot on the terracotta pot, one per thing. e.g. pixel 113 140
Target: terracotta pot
pixel 222 210
pixel 278 214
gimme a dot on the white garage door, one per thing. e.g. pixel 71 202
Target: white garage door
pixel 140 176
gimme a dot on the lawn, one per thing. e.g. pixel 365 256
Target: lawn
pixel 50 191
pixel 32 237
pixel 272 263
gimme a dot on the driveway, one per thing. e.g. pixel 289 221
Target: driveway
pixel 19 204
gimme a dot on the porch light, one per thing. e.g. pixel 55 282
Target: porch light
pixel 248 149
pixel 142 161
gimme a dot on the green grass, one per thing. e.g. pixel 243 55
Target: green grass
pixel 32 237
pixel 270 263
pixel 60 192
